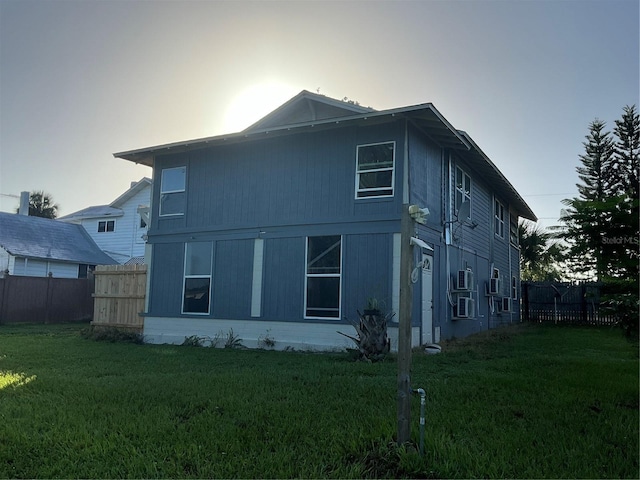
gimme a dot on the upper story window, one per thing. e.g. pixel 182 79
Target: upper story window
pixel 106 226
pixel 172 191
pixel 375 170
pixel 463 188
pixel 323 277
pixel 498 214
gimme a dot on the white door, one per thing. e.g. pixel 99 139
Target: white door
pixel 427 299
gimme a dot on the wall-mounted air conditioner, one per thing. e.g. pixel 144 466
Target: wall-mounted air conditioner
pixel 506 304
pixel 464 280
pixel 494 286
pixel 465 307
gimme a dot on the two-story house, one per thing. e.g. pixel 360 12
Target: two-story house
pixel 287 228
pixel 119 228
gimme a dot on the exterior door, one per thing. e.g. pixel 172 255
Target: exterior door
pixel 427 299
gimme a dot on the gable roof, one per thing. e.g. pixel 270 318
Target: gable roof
pixel 46 239
pixel 111 210
pixel 135 188
pixel 307 107
pixel 295 116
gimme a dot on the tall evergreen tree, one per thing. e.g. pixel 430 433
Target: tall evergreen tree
pixel 626 214
pixel 588 218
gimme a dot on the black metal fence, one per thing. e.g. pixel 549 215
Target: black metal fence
pixel 45 299
pixel 564 303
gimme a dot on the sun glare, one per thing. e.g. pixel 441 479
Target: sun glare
pixel 255 102
pixel 10 379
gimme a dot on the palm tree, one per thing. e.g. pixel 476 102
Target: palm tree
pixel 41 205
pixel 540 255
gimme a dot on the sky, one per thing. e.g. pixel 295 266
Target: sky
pixel 82 79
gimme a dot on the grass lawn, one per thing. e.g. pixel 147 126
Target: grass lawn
pixel 521 402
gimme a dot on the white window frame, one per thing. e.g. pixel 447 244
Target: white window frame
pixel 322 275
pixel 191 276
pixel 361 192
pixel 498 218
pixel 164 192
pixel 106 226
pixel 514 287
pixel 461 190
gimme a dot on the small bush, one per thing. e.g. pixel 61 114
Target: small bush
pixel 266 341
pixel 233 341
pixel 111 334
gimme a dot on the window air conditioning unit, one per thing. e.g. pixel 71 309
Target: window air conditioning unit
pixel 466 308
pixel 494 286
pixel 464 280
pixel 506 304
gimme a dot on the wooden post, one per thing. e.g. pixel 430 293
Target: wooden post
pixel 404 329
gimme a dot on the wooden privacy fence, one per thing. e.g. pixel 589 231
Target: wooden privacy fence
pixel 564 303
pixel 45 299
pixel 119 296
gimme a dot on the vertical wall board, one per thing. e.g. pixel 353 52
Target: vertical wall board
pixel 366 273
pixel 256 280
pixel 232 278
pixel 284 271
pixel 167 279
pixel 425 176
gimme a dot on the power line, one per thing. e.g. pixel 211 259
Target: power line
pixel 548 194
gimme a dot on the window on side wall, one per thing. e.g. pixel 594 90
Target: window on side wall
pixel 514 288
pixel 106 226
pixel 197 277
pixel 375 170
pixel 513 229
pixel 498 213
pixel 323 276
pixel 172 191
pixel 463 188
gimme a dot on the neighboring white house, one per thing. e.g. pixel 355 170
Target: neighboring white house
pixel 119 228
pixel 37 247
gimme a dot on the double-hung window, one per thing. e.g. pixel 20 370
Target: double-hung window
pixel 498 213
pixel 172 191
pixel 375 170
pixel 463 188
pixel 197 277
pixel 106 226
pixel 323 277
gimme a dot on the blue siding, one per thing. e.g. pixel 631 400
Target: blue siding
pixel 283 285
pixel 293 180
pixel 167 275
pixel 367 265
pixel 232 275
pixel 285 188
pixel 425 177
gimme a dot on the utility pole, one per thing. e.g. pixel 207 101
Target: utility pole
pixel 404 328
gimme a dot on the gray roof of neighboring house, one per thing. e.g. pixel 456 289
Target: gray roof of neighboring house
pixel 45 239
pixel 111 210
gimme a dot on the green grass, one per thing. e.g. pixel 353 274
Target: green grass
pixel 519 402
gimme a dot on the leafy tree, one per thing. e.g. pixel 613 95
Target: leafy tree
pixel 601 224
pixel 41 204
pixel 540 254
